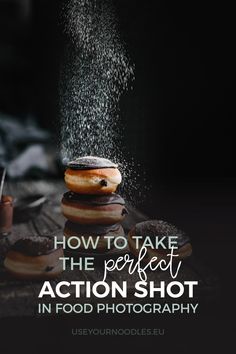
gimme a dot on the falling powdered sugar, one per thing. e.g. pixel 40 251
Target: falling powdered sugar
pixel 95 74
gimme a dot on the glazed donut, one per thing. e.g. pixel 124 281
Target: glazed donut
pixel 72 229
pixel 154 228
pixel 34 258
pixel 92 175
pixel 99 210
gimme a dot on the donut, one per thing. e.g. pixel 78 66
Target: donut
pixel 99 210
pixel 72 229
pixel 34 258
pixel 159 228
pixel 92 175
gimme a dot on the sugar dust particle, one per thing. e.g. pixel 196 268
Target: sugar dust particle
pixel 96 72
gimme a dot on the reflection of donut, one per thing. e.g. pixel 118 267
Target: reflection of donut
pixel 87 209
pixel 92 175
pixel 154 228
pixel 34 258
pixel 72 229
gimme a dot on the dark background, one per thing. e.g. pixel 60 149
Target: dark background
pixel 179 116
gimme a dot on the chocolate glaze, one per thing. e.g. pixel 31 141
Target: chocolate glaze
pixel 153 228
pixel 34 245
pixel 90 162
pixel 91 229
pixel 107 199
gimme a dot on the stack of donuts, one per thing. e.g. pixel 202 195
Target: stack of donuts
pixel 91 206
